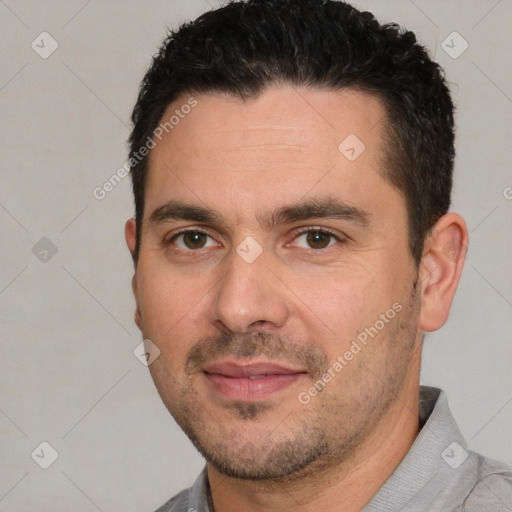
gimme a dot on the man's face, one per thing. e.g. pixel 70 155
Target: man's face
pixel 267 251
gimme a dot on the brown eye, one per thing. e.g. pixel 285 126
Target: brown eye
pixel 194 240
pixel 190 240
pixel 315 239
pixel 318 239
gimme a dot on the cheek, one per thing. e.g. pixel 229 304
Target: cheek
pixel 167 303
pixel 171 318
pixel 338 308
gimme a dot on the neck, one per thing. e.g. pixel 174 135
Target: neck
pixel 352 481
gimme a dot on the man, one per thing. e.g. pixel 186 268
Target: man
pixel 292 167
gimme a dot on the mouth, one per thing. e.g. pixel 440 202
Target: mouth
pixel 251 381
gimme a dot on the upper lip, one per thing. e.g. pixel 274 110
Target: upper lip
pixel 250 369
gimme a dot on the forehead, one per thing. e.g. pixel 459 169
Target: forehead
pixel 281 145
pixel 281 114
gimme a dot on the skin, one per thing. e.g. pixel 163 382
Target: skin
pixel 301 302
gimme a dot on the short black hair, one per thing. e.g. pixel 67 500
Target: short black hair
pixel 244 48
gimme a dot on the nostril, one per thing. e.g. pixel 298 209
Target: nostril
pixel 257 323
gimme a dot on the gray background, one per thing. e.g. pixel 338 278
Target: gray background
pixel 68 375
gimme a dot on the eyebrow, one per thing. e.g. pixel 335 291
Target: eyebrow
pixel 319 208
pixel 177 210
pixel 304 210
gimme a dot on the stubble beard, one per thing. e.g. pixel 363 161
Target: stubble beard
pixel 307 440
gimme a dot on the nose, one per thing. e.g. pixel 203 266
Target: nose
pixel 249 297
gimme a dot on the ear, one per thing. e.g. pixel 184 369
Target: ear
pixel 440 269
pixel 130 234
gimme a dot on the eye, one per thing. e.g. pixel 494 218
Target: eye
pixel 192 240
pixel 316 239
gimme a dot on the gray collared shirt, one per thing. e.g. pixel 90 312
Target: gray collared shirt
pixel 438 474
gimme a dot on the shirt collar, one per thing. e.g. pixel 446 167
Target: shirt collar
pixel 413 474
pixel 423 461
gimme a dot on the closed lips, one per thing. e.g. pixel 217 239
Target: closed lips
pixel 249 371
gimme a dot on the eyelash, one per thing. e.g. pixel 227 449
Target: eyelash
pixel 323 231
pixel 169 241
pixel 299 233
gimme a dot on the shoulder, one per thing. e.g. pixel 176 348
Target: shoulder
pixel 492 487
pixel 193 499
pixel 178 503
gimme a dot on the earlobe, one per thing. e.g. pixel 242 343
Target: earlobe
pixel 137 315
pixel 440 269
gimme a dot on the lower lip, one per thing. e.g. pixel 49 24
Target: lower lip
pixel 250 390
